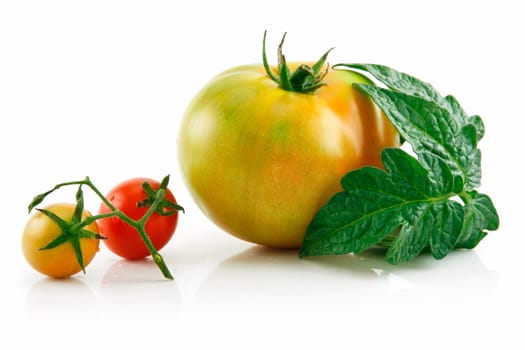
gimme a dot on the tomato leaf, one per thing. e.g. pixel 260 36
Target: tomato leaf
pixel 376 203
pixel 431 129
pixel 412 86
pixel 398 81
pixel 413 204
pixel 480 215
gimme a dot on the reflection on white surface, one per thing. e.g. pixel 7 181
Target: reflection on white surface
pixel 131 288
pixel 66 299
pixel 262 278
pixel 209 281
pixel 225 287
pixel 127 290
pixel 233 292
pixel 122 271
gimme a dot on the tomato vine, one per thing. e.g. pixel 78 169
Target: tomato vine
pixel 155 201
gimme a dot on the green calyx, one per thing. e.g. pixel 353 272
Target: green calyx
pixel 305 79
pixel 165 207
pixel 72 231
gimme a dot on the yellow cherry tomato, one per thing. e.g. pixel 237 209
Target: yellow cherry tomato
pixel 60 261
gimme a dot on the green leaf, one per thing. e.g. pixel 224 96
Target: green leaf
pixel 438 225
pixel 414 203
pixel 411 205
pixel 375 203
pixel 412 86
pixel 448 219
pixel 461 116
pixel 480 215
pixel 430 129
pixel 398 81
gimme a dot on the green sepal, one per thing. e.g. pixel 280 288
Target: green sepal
pixel 304 79
pixel 266 65
pixel 79 207
pixel 316 68
pixel 166 207
pixel 284 75
pixel 39 199
pixel 61 223
pixel 78 253
pixel 83 233
pixel 73 230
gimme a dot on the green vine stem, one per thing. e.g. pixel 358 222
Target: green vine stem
pixel 139 225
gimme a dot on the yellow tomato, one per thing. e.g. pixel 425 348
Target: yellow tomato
pixel 260 160
pixel 60 261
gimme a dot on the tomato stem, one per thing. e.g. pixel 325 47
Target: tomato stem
pixel 305 79
pixel 139 225
pixel 99 194
pixel 141 228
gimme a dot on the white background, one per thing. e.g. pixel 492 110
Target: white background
pixel 98 88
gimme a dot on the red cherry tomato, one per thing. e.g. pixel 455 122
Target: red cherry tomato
pixel 123 239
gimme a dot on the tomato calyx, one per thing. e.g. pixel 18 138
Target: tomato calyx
pixel 305 78
pixel 165 207
pixel 73 230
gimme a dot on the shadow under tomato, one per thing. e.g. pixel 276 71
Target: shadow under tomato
pixel 260 278
pixel 60 299
pixel 264 279
pixel 459 275
pixel 136 288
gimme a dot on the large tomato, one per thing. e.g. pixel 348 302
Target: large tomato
pixel 260 160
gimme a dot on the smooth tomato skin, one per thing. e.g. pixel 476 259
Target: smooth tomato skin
pixel 58 262
pixel 260 161
pixel 123 239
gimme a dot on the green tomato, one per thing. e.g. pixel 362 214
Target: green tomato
pixel 260 161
